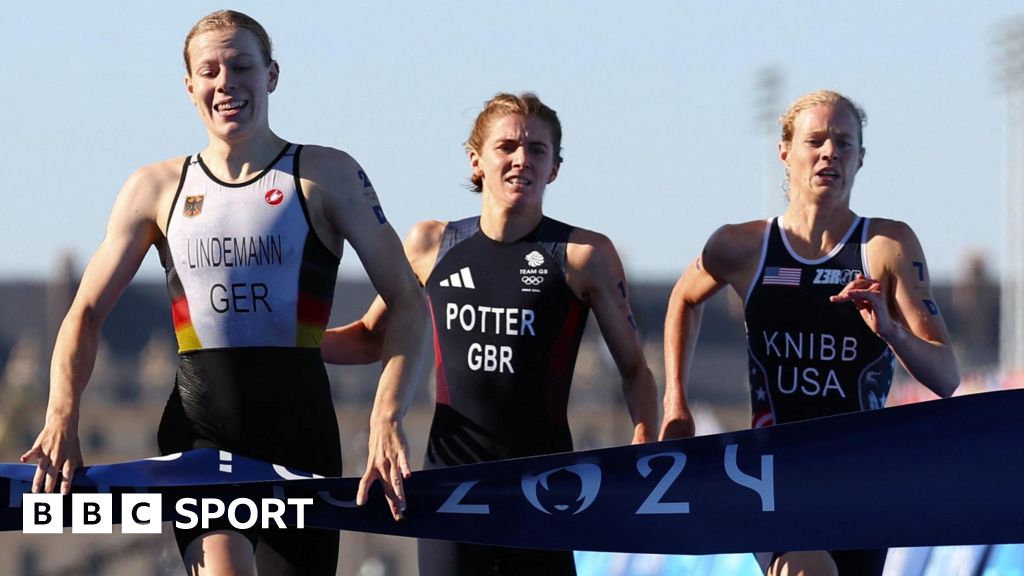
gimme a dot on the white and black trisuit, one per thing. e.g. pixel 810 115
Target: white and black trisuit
pixel 251 288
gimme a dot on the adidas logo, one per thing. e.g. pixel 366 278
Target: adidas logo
pixel 461 279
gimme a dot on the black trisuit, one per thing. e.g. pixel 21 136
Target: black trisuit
pixel 251 288
pixel 809 357
pixel 506 332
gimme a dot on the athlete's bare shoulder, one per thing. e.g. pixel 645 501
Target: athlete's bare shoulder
pixel 149 191
pixel 330 167
pixel 890 230
pixel 733 249
pixel 592 264
pixel 891 245
pixel 340 197
pixel 888 239
pixel 158 175
pixel 589 249
pixel 421 246
pixel 589 240
pixel 333 177
pixel 425 235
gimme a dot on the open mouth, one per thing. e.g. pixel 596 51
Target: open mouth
pixel 232 106
pixel 518 181
pixel 828 173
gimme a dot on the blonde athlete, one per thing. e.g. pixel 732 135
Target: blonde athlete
pixel 250 232
pixel 831 300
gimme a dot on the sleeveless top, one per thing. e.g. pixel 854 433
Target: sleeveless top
pixel 244 266
pixel 506 332
pixel 809 357
pixel 251 287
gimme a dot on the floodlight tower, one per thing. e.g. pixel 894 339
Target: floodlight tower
pixel 767 85
pixel 1010 42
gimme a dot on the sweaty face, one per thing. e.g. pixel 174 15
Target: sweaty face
pixel 825 153
pixel 229 82
pixel 516 161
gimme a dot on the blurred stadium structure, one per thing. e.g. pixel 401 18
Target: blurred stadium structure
pixel 1010 46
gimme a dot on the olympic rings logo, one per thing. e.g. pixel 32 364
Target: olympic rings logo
pixel 533 280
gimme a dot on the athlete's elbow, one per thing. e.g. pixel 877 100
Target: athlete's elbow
pixel 83 321
pixel 411 307
pixel 352 344
pixel 945 383
pixel 948 384
pixel 408 329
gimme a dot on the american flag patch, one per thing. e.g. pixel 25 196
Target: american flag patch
pixel 776 276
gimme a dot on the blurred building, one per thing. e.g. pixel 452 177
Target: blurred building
pixel 135 372
pixel 975 301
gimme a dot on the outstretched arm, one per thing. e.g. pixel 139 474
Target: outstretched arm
pixel 596 276
pixel 399 312
pixel 730 256
pixel 130 231
pixel 898 306
pixel 682 327
pixel 337 184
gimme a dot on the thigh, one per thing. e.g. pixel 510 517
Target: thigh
pixel 312 446
pixel 218 552
pixel 189 539
pixel 176 432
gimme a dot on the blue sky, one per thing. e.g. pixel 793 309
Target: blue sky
pixel 658 102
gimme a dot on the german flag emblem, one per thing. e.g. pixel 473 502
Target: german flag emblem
pixel 193 206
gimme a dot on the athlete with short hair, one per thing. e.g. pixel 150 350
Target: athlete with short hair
pixel 510 291
pixel 250 232
pixel 831 299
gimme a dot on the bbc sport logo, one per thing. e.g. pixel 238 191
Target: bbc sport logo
pixel 143 513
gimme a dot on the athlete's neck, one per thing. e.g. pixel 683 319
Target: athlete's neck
pixel 814 229
pixel 505 225
pixel 240 161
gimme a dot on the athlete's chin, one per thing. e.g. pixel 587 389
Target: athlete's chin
pixel 523 206
pixel 835 191
pixel 527 198
pixel 230 132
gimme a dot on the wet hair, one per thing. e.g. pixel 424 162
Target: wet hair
pixel 819 98
pixel 223 19
pixel 503 104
